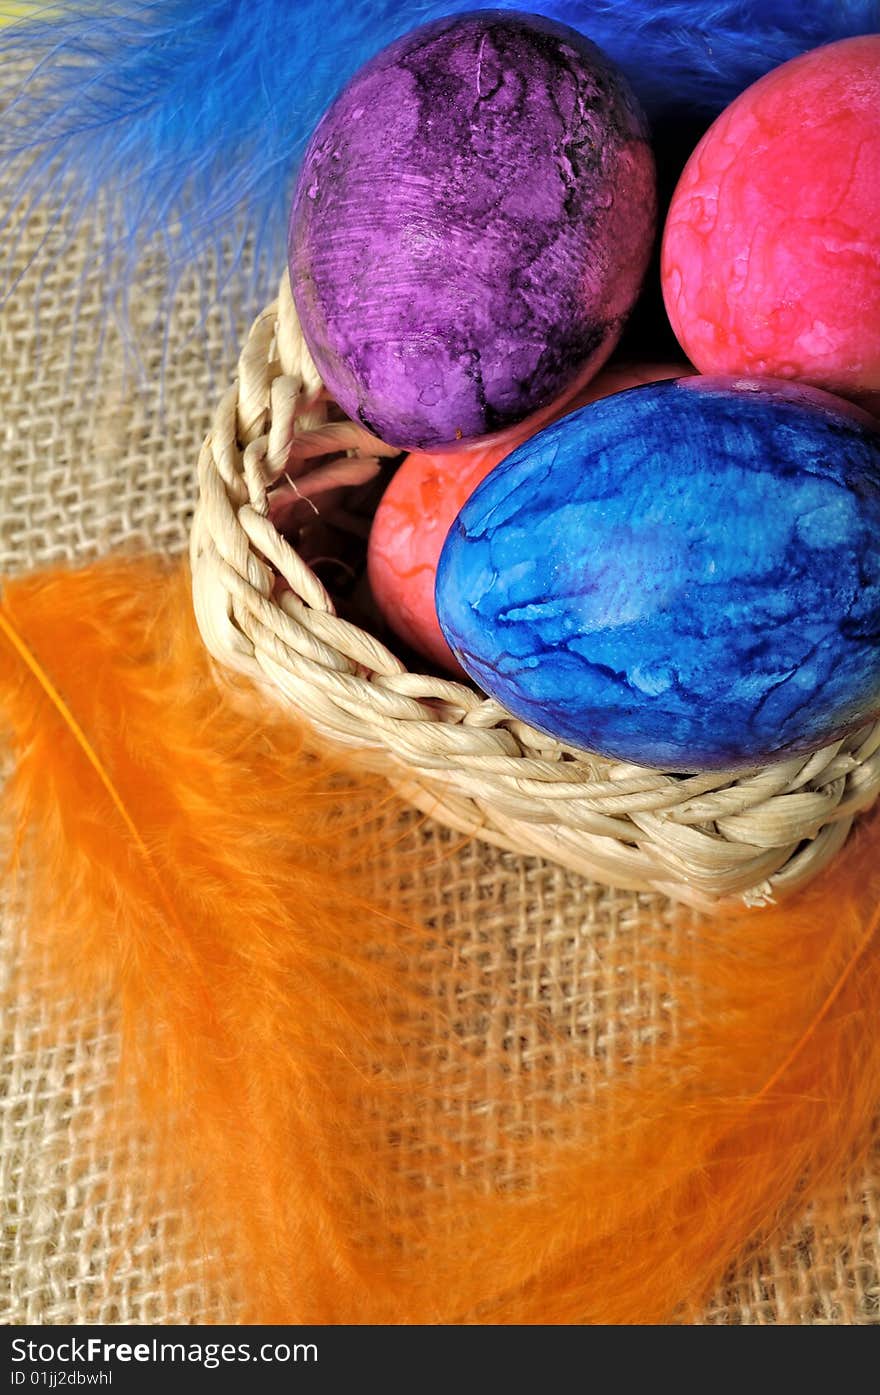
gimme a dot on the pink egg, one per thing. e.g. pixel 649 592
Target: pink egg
pixel 771 253
pixel 422 501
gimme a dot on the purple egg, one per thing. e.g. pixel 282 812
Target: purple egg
pixel 470 228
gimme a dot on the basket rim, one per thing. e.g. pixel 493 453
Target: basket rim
pixel 754 833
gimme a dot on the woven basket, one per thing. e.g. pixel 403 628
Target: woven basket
pixel 262 611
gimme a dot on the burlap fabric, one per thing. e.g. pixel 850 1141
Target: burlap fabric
pixel 89 464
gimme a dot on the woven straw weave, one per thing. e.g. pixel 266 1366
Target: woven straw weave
pixel 758 834
pixel 87 466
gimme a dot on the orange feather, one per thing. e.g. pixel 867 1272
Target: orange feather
pixel 285 1028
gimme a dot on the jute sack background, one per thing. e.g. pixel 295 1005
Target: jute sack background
pixel 90 463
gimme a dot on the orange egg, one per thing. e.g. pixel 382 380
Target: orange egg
pixel 422 501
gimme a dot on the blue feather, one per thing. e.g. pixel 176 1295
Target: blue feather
pixel 182 120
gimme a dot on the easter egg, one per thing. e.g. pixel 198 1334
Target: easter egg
pixel 418 509
pixel 771 251
pixel 684 575
pixel 470 227
pixel 407 535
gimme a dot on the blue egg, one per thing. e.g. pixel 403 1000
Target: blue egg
pixel 685 575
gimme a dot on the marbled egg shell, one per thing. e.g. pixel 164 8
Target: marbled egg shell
pixel 419 507
pixel 771 251
pixel 685 575
pixel 470 228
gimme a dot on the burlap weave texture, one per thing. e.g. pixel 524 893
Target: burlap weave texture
pixel 92 462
